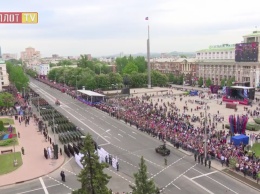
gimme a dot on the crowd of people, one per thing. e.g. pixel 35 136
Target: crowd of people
pixel 168 122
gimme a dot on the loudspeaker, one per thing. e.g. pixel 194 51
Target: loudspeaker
pixel 56 151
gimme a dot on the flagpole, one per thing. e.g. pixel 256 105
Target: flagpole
pixel 148 57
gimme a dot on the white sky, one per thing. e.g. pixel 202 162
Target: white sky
pixel 106 27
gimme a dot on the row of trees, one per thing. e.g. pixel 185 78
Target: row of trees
pixel 17 75
pixel 128 65
pixel 224 82
pixel 93 179
pixel 86 77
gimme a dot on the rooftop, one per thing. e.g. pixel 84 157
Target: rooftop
pixel 90 93
pixel 217 49
pixel 255 33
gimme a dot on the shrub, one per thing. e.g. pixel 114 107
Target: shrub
pixel 249 126
pixel 257 121
pixel 7 142
pixel 2 126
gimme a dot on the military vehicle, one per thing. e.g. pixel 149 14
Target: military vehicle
pixel 163 150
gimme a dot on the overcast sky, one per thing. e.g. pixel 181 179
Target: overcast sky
pixel 106 27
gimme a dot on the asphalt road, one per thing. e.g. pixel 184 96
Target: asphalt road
pixel 182 175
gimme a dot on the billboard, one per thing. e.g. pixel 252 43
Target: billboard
pixel 246 52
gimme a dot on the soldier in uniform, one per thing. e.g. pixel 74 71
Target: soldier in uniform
pixel 209 159
pixel 195 155
pixel 165 161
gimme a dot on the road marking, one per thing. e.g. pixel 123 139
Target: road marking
pixel 67 162
pixel 117 139
pixel 165 168
pixel 43 186
pixel 104 144
pixel 199 185
pixel 176 186
pixel 69 171
pixel 30 191
pixel 120 135
pixel 131 136
pixel 133 132
pixel 204 175
pixel 120 176
pixel 178 177
pixel 217 182
pixel 60 183
pixel 133 165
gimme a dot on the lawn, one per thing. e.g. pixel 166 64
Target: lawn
pixel 6 164
pixel 256 149
pixel 7 120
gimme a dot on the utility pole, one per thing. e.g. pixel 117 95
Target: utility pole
pixel 148 58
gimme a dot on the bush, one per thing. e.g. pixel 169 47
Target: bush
pixel 257 121
pixel 249 126
pixel 2 128
pixel 7 142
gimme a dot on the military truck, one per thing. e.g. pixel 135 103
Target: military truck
pixel 163 150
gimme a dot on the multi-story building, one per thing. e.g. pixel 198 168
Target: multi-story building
pixel 219 62
pixel 8 56
pixel 4 77
pixel 42 69
pixel 186 66
pixel 30 56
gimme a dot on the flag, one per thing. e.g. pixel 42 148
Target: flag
pixel 146 18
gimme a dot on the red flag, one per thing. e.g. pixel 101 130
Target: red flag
pixel 146 18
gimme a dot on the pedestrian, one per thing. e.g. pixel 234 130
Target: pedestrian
pixel 62 174
pixel 18 134
pixel 50 140
pixel 165 161
pixel 195 155
pixel 22 149
pixel 60 151
pixel 106 159
pixel 209 160
pixel 117 166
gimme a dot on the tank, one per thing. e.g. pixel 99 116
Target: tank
pixel 163 150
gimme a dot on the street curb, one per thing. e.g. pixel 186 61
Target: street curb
pixel 238 179
pixel 23 181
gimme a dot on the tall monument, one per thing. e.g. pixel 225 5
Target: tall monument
pixel 148 57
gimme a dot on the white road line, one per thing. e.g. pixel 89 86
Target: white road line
pixel 67 162
pixel 204 175
pixel 131 136
pixel 205 189
pixel 133 132
pixel 120 135
pixel 117 139
pixel 30 191
pixel 176 186
pixel 178 177
pixel 217 182
pixel 43 186
pixel 104 144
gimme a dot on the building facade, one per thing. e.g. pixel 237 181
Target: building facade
pixel 182 66
pixel 42 69
pixel 8 56
pixel 30 56
pixel 218 63
pixel 4 77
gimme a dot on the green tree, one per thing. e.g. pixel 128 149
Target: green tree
pixel 142 184
pixel 230 81
pixel 31 73
pixel 208 82
pixel 141 64
pixel 200 82
pixel 2 128
pixel 121 63
pixel 115 78
pixel 130 68
pixel 102 81
pixel 138 79
pixel 223 82
pixel 64 63
pixel 158 79
pixel 6 99
pixel 84 62
pixel 183 56
pixel 92 178
pixel 171 77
